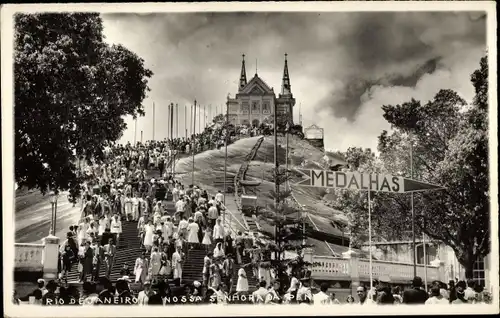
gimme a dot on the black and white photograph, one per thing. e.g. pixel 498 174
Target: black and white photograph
pixel 225 158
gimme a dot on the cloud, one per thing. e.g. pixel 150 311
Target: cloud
pixel 343 66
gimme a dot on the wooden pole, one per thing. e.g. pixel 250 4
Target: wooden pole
pixel 413 214
pixel 154 120
pixel 193 143
pixel 276 183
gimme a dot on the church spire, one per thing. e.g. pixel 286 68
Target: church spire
pixel 286 88
pixel 243 76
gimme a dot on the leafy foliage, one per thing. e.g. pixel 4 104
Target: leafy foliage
pixel 449 140
pixel 72 91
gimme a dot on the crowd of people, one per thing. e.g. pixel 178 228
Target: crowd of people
pixel 161 292
pixel 119 190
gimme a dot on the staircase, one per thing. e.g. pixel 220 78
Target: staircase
pixel 128 251
pixel 251 225
pixel 192 269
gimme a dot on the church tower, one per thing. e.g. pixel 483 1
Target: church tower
pixel 243 76
pixel 285 102
pixel 286 88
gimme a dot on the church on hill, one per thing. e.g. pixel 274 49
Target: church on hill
pixel 255 100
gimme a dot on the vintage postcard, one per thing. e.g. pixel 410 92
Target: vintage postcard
pixel 279 158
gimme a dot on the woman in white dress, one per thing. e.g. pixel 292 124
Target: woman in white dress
pixel 218 251
pixel 81 235
pixel 207 239
pixel 177 263
pixel 141 269
pixel 102 227
pixel 193 229
pixel 148 236
pixel 155 265
pixel 168 228
pixel 242 284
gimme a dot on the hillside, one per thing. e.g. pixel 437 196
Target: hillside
pixel 209 165
pixel 300 151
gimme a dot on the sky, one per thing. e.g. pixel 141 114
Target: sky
pixel 344 66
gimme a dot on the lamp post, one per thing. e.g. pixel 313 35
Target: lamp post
pixel 53 203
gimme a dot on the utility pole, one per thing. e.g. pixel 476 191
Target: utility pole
pixel 172 120
pixel 135 132
pixel 193 150
pixel 154 120
pixel 276 180
pixel 414 246
pixel 177 120
pixel 185 120
pixel 141 136
pixel 168 121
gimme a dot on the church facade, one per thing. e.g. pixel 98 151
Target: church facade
pixel 255 100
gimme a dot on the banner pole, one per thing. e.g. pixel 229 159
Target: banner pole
pixel 370 237
pixel 193 141
pixel 414 246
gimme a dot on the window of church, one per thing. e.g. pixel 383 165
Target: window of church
pixel 255 107
pixel 266 108
pixel 244 108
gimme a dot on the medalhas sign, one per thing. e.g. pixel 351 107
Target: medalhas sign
pixel 361 181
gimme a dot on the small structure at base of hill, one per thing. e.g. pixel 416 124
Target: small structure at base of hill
pixel 315 136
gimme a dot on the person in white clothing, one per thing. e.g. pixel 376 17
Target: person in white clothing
pixel 135 208
pixel 175 194
pixel 183 225
pixel 102 226
pixel 259 296
pixel 141 269
pixel 180 206
pixel 148 236
pixel 436 297
pixel 218 232
pixel 242 284
pixel 322 298
pixel 193 229
pixel 80 235
pixel 219 197
pixel 212 215
pixel 128 208
pixel 177 263
pixel 218 251
pixel 363 296
pixel 143 297
pixel 168 227
pixel 116 229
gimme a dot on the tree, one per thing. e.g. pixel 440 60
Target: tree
pixel 288 235
pixel 72 91
pixel 450 148
pixel 219 118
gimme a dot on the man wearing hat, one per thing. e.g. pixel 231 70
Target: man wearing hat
pixel 415 295
pixel 145 294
